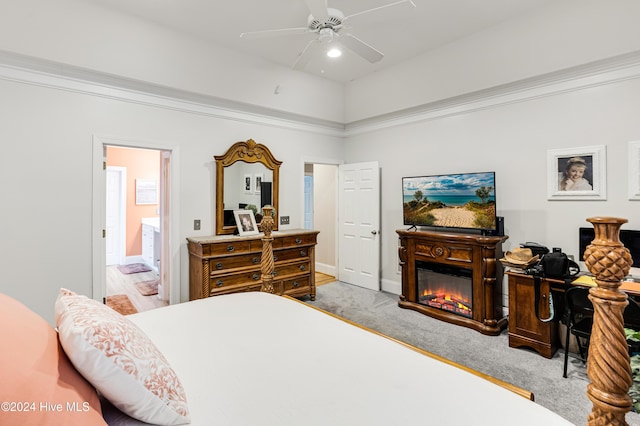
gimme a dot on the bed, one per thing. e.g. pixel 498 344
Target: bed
pixel 260 359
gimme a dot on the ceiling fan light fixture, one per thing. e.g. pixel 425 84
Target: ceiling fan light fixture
pixel 326 35
pixel 334 52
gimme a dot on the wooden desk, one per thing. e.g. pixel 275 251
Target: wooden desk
pixel 632 288
pixel 527 330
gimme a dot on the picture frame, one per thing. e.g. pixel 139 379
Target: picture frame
pixel 247 184
pixel 257 182
pixel 246 222
pixel 146 191
pixel 634 170
pixel 586 164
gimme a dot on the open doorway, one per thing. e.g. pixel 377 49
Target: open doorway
pixel 320 213
pixel 134 235
pixel 168 203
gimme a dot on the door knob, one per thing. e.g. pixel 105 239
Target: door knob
pixel 374 232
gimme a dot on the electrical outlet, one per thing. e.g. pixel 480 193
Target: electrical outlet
pixel 196 224
pixel 284 220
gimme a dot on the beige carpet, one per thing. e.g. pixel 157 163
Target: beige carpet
pixel 121 303
pixel 147 288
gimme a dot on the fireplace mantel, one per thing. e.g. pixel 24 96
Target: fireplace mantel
pixel 476 252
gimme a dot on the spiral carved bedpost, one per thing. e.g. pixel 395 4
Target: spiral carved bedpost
pixel 608 368
pixel 267 262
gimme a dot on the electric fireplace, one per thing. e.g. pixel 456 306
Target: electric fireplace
pixel 453 277
pixel 449 288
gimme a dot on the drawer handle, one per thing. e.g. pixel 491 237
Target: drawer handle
pixel 298 241
pixel 275 258
pixel 219 265
pixel 303 267
pixel 296 284
pixel 255 276
pixel 219 283
pixel 230 248
pixel 255 260
pixel 275 273
pixel 303 252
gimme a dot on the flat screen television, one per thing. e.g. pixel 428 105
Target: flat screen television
pixel 463 200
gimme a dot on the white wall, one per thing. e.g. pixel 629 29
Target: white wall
pixel 512 140
pixel 325 183
pixel 85 35
pixel 47 168
pixel 47 131
pixel 561 35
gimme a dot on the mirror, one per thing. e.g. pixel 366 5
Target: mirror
pixel 246 174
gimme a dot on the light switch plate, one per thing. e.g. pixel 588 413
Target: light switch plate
pixel 284 220
pixel 196 224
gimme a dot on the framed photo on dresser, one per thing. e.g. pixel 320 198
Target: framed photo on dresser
pixel 246 222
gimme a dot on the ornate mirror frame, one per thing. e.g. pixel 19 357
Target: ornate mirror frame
pixel 248 152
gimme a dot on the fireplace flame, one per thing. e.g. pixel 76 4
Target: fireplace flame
pixel 448 301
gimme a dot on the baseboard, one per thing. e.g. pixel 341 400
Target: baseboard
pixel 326 269
pixel 133 259
pixel 390 286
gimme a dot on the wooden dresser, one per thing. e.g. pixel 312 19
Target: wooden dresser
pixel 224 264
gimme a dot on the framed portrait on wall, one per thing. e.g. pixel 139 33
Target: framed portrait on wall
pixel 577 173
pixel 257 182
pixel 246 222
pixel 634 170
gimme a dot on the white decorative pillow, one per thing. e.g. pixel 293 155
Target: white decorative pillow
pixel 117 357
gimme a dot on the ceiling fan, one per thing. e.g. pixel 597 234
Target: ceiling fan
pixel 327 24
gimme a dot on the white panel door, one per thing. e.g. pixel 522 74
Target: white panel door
pixel 115 213
pixel 359 224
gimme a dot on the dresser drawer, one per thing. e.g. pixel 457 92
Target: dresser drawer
pixel 240 279
pixel 298 240
pixel 297 268
pixel 231 262
pixel 232 247
pixel 290 254
pixel 295 284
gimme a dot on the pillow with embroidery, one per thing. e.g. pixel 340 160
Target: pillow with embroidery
pixel 119 360
pixel 36 373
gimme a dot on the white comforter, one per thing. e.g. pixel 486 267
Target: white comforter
pixel 259 359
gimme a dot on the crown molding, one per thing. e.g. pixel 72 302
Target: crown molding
pixel 41 72
pixel 592 74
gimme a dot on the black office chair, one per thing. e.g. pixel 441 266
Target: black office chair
pixel 579 319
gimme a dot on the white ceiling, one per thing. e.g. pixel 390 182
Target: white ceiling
pixel 400 32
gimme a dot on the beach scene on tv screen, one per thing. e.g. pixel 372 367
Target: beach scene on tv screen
pixel 458 200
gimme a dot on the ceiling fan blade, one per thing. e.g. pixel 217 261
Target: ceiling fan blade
pixel 306 54
pixel 274 33
pixel 361 48
pixel 380 7
pixel 318 8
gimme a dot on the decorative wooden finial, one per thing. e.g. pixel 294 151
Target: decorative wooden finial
pixel 608 367
pixel 267 262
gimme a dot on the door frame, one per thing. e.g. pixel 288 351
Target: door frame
pixel 172 240
pixel 122 210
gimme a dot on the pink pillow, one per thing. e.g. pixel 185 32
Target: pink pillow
pixel 119 359
pixel 38 384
